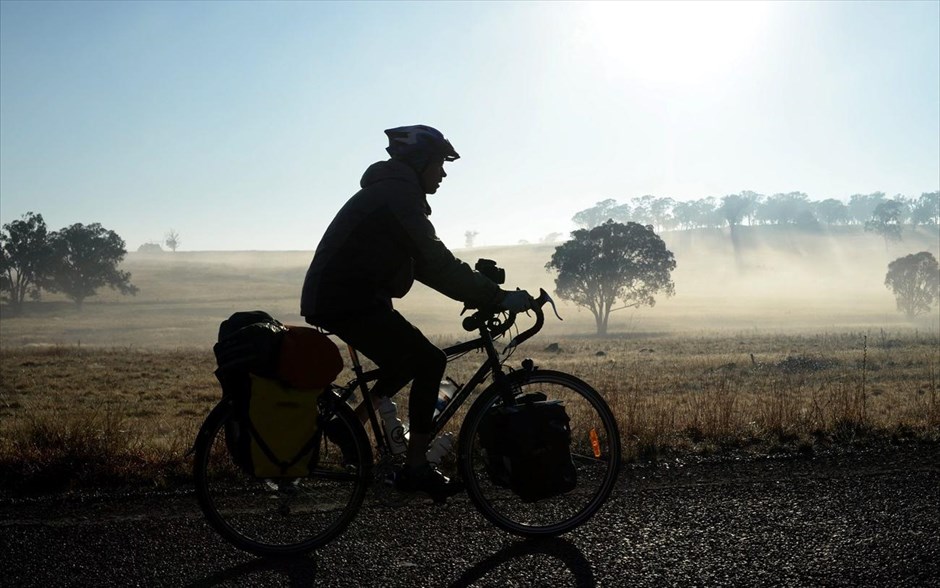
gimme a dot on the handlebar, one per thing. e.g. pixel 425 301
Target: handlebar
pixel 537 305
pixel 490 319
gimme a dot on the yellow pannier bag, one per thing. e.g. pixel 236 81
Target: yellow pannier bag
pixel 282 421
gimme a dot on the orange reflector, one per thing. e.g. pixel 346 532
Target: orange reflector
pixel 595 443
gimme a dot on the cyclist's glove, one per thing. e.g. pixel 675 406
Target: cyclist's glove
pixel 517 301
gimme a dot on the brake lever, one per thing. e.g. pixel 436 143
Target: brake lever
pixel 544 297
pixel 539 303
pixel 555 309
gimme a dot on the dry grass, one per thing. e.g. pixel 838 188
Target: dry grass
pixel 73 417
pixel 769 393
pixel 792 345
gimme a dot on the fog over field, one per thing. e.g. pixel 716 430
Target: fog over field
pixel 780 280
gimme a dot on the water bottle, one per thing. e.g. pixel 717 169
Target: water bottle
pixel 394 428
pixel 446 391
pixel 441 446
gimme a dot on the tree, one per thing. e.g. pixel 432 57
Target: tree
pixel 705 213
pixel 904 208
pixel 595 215
pixel 886 221
pixel 172 240
pixel 684 213
pixel 150 247
pixel 661 211
pixel 620 213
pixel 469 238
pixel 612 264
pixel 754 201
pixel 915 281
pixel 791 208
pixel 733 209
pixel 832 211
pixel 861 206
pixel 85 258
pixel 642 210
pixel 24 259
pixel 926 209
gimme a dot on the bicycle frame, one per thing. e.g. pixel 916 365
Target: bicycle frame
pixel 480 321
pixel 491 365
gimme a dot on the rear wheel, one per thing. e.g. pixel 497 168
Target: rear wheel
pixel 595 451
pixel 285 516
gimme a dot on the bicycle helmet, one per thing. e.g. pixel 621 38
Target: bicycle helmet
pixel 417 145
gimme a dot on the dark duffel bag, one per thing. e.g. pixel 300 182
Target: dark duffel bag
pixel 249 341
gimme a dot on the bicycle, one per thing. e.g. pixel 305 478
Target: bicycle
pixel 283 517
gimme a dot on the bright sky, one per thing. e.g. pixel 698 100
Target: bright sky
pixel 247 125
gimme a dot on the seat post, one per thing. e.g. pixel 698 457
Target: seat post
pixel 354 356
pixel 366 410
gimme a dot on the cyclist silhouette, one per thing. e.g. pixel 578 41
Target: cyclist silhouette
pixel 380 241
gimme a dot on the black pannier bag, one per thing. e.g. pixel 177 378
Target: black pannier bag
pixel 527 447
pixel 273 376
pixel 249 341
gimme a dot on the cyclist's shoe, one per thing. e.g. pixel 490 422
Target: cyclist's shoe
pixel 427 478
pixel 338 434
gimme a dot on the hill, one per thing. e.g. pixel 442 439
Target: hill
pixel 776 279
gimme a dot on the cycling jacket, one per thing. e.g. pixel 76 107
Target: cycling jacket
pixel 380 241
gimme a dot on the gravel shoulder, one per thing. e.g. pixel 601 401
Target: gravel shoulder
pixel 860 517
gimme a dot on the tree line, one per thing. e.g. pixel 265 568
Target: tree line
pixel 614 266
pixel 751 208
pixel 76 260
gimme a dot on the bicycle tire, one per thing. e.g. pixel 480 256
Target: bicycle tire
pixel 283 517
pixel 597 465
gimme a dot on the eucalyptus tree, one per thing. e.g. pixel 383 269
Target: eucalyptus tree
pixel 612 267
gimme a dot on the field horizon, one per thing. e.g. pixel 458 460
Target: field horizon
pixel 779 279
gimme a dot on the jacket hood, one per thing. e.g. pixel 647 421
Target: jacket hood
pixel 389 169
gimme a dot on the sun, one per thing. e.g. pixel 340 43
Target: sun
pixel 672 42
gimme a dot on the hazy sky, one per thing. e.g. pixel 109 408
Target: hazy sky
pixel 247 125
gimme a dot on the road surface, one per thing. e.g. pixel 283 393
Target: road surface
pixel 862 517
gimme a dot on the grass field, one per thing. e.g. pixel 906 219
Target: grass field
pixel 792 345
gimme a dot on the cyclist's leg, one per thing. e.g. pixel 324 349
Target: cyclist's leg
pixel 403 354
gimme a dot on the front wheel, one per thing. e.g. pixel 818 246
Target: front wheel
pixel 595 452
pixel 283 516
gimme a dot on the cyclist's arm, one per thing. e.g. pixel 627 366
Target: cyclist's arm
pixel 436 266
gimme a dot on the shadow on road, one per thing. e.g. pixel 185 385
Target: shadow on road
pixel 561 549
pixel 300 572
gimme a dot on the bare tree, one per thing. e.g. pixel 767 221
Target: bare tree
pixel 469 237
pixel 173 240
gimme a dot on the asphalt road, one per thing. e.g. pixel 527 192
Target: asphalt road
pixel 852 518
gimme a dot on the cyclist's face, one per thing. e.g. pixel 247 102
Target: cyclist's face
pixel 432 176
